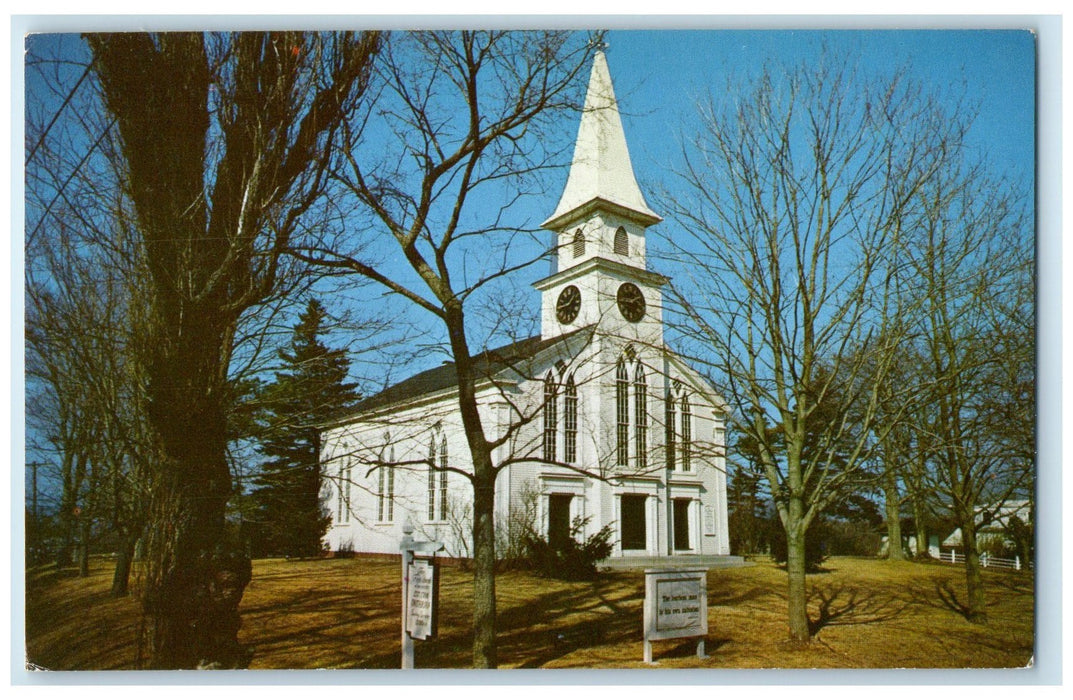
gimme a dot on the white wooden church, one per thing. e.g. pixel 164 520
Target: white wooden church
pixel 606 425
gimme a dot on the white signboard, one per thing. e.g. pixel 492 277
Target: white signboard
pixel 676 605
pixel 421 599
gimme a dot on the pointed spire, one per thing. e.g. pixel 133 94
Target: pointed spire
pixel 601 168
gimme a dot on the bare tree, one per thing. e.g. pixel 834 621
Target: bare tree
pixel 969 259
pixel 793 197
pixel 83 330
pixel 455 126
pixel 225 144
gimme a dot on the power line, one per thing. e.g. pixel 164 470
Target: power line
pixel 74 171
pixel 56 116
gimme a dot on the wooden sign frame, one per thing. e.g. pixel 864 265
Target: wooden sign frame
pixel 676 606
pixel 415 631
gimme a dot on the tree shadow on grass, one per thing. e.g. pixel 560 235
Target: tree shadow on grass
pixel 838 604
pixel 1014 582
pixel 755 593
pixel 601 611
pixel 946 594
pixel 940 595
pixel 48 575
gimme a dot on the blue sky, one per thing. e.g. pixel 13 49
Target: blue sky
pixel 659 74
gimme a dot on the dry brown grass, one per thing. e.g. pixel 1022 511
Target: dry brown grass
pixel 344 613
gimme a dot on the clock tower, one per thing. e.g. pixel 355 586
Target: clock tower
pixel 599 227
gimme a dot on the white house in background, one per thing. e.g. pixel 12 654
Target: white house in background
pixel 991 524
pixel 607 424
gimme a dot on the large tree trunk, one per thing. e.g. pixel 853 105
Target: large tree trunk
pixel 795 572
pixel 894 517
pixel 484 482
pixel 976 605
pixel 484 579
pixel 195 574
pixel 921 524
pixel 124 560
pixel 194 579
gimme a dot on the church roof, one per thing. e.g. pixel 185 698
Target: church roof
pixel 601 168
pixel 487 363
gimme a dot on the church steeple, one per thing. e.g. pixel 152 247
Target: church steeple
pixel 601 172
pixel 600 276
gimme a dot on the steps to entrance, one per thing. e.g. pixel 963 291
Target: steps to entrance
pixel 683 561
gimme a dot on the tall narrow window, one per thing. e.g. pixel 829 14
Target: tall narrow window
pixel 339 496
pixel 570 422
pixel 640 416
pixel 380 492
pixel 579 244
pixel 391 486
pixel 670 433
pixel 687 434
pixel 622 242
pixel 385 492
pixel 443 478
pixel 432 478
pixel 551 418
pixel 341 492
pixel 622 411
pixel 348 481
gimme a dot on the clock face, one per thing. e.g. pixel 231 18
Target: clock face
pixel 568 305
pixel 631 302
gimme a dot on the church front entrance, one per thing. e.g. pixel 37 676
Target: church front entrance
pixel 559 519
pixel 634 525
pixel 681 525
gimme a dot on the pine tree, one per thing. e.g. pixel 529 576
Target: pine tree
pixel 311 389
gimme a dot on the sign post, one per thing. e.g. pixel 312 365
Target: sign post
pixel 676 605
pixel 420 592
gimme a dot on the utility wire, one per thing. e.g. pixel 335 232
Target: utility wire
pixel 59 192
pixel 56 116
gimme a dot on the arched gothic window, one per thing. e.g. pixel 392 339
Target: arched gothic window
pixel 385 502
pixel 622 242
pixel 579 244
pixel 346 469
pixel 443 478
pixel 551 418
pixel 671 439
pixel 687 434
pixel 432 478
pixel 622 413
pixel 570 422
pixel 640 415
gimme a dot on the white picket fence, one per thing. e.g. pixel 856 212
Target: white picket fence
pixel 987 562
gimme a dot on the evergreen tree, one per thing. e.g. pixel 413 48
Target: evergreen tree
pixel 311 389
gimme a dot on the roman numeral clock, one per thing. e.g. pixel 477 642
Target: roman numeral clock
pixel 568 305
pixel 631 302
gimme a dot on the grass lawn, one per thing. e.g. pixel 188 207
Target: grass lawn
pixel 344 613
